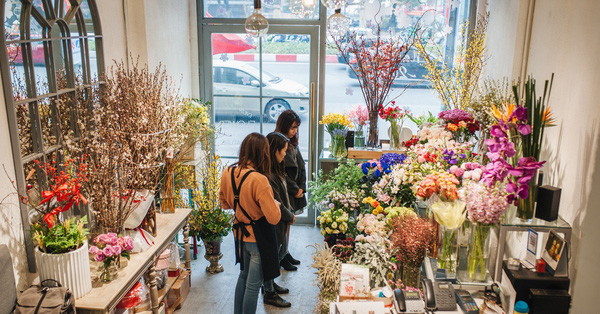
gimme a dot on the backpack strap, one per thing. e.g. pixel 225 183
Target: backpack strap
pixel 236 191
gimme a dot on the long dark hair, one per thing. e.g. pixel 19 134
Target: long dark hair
pixel 277 142
pixel 284 124
pixel 255 151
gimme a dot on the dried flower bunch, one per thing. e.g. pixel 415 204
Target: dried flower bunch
pixel 456 85
pixel 412 237
pixel 328 268
pixel 125 129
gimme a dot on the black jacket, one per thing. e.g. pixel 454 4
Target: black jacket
pixel 296 178
pixel 287 217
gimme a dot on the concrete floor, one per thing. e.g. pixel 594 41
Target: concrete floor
pixel 215 293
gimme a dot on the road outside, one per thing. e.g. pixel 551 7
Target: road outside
pixel 341 93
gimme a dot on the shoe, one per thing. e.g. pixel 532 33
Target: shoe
pixel 272 298
pixel 280 290
pixel 291 259
pixel 287 265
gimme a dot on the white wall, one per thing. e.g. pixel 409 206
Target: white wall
pixel 157 31
pixel 564 41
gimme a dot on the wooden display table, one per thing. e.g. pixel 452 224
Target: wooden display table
pixel 364 154
pixel 105 298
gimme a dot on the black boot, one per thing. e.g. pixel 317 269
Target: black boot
pixel 280 290
pixel 272 298
pixel 287 265
pixel 292 260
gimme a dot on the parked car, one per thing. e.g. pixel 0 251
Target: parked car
pixel 236 92
pixel 412 71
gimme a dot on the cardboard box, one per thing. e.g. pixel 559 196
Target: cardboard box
pixel 179 292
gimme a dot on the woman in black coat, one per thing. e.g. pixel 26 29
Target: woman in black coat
pixel 295 169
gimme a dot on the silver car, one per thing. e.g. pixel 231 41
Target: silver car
pixel 236 92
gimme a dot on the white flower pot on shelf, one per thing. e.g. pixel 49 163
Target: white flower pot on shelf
pixel 71 269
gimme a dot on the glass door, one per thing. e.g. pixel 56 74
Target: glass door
pixel 250 82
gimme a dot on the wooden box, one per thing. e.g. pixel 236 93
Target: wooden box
pixel 179 292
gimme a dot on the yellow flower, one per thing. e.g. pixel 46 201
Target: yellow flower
pixel 452 127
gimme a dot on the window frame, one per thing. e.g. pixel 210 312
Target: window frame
pixel 54 15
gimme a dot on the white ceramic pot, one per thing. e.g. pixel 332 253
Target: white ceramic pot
pixel 71 269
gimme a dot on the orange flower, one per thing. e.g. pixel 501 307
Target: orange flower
pixel 548 119
pixel 504 112
pixel 462 124
pixel 452 127
pixel 375 204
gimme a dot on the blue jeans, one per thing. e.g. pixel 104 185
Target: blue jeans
pixel 249 281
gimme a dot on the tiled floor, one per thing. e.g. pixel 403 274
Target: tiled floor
pixel 215 293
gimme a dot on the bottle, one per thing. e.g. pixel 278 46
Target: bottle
pixel 521 307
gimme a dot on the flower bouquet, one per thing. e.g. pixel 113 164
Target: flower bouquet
pixel 396 116
pixel 360 118
pixel 450 215
pixel 333 221
pixel 460 123
pixel 108 249
pixel 371 224
pixel 337 125
pixel 485 205
pixel 412 237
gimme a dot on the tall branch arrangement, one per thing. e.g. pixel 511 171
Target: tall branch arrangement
pixel 376 62
pixel 456 85
pixel 125 129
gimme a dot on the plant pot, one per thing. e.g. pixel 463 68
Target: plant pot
pixel 213 255
pixel 71 269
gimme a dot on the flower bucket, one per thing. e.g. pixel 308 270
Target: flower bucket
pixel 71 269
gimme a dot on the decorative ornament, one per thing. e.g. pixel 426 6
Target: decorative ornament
pixel 338 24
pixel 256 24
pixel 302 8
pixel 334 4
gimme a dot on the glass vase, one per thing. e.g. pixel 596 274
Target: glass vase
pixel 339 147
pixel 373 140
pixel 411 275
pixel 448 251
pixel 526 207
pixel 108 271
pixel 479 249
pixel 395 142
pixel 359 138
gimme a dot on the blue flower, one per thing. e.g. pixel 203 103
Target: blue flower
pixel 374 165
pixel 387 171
pixel 377 173
pixel 365 170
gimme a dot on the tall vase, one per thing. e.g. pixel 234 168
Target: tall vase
pixel 373 140
pixel 359 137
pixel 526 207
pixel 213 255
pixel 339 147
pixel 395 142
pixel 411 275
pixel 479 249
pixel 448 251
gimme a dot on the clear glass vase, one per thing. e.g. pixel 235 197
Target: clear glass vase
pixel 479 250
pixel 395 142
pixel 526 207
pixel 339 147
pixel 448 251
pixel 108 271
pixel 411 275
pixel 359 138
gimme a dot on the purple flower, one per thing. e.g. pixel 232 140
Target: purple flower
pixel 497 132
pixel 524 129
pixel 520 113
pixel 100 257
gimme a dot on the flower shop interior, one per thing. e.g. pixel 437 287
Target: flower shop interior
pixel 450 166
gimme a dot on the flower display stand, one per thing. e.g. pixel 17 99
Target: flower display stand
pixel 104 299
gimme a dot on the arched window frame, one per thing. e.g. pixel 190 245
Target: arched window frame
pixel 66 17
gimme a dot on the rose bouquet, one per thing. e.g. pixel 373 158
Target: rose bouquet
pixel 333 221
pixel 395 116
pixel 444 184
pixel 371 224
pixel 109 247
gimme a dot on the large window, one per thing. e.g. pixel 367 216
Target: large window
pixel 52 49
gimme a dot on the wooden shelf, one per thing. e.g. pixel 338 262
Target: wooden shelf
pixel 104 299
pixel 162 293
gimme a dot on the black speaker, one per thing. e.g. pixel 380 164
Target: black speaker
pixel 549 301
pixel 350 139
pixel 548 199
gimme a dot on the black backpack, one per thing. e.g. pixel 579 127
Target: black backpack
pixel 48 298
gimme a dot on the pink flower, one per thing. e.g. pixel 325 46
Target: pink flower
pixel 100 257
pixel 126 243
pixel 117 250
pixel 112 238
pixel 94 250
pixel 108 251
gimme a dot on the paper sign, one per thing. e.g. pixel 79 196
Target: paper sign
pixel 532 241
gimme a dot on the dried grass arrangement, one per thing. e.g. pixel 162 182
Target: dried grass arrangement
pixel 125 128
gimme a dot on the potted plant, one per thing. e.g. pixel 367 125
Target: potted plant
pixel 62 249
pixel 208 220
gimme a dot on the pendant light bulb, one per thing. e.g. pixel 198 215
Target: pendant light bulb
pixel 302 8
pixel 334 4
pixel 256 24
pixel 338 24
